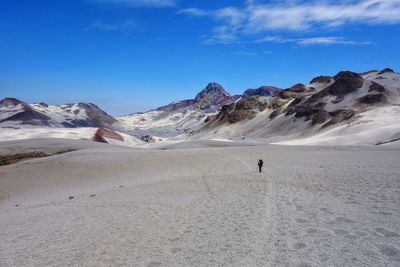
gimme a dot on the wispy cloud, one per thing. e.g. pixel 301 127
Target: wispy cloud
pixel 195 12
pixel 140 3
pixel 330 40
pixel 126 25
pixel 296 16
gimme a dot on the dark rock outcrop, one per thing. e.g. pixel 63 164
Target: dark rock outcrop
pixel 319 117
pixel 274 114
pixel 386 71
pixel 286 94
pixel 372 99
pixel 321 79
pixel 339 116
pixel 376 87
pixel 262 91
pixel 345 82
pixel 298 88
pixel 277 103
pixel 292 91
pixel 291 107
pixel 304 108
pixel 244 109
pixel 308 109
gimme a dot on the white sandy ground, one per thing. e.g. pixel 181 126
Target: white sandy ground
pixel 312 206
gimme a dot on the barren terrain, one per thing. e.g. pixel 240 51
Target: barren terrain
pixel 105 205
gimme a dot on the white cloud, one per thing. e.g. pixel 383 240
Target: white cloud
pixel 296 16
pixel 126 25
pixel 140 3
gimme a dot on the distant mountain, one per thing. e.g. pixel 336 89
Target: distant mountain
pixel 178 117
pixel 14 112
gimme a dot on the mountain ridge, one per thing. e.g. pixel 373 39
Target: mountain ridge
pixel 268 112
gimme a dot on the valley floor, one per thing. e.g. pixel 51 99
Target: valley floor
pixel 104 205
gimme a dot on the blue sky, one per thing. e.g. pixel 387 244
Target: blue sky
pixel 133 55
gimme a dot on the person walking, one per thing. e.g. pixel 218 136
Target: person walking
pixel 260 165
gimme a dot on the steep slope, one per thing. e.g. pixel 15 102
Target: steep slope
pixel 344 102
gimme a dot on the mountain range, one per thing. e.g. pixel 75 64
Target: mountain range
pixel 348 108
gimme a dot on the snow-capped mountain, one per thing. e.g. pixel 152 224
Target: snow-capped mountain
pixel 16 113
pixel 349 108
pixel 19 120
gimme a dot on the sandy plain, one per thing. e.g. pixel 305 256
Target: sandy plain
pixel 187 205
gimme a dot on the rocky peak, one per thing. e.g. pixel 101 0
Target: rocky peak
pixel 213 95
pixel 212 89
pixel 210 98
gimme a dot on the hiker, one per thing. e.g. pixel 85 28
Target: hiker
pixel 260 164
